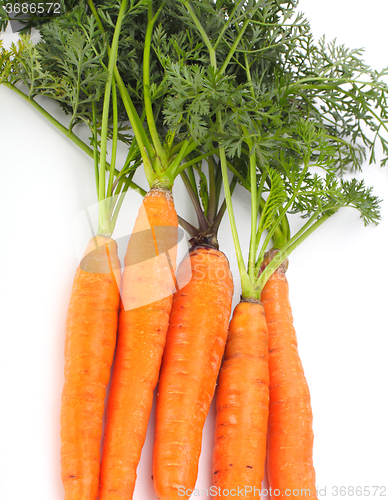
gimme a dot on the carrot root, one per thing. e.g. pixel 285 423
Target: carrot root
pixel 242 405
pixel 91 327
pixel 290 433
pixel 191 362
pixel 148 279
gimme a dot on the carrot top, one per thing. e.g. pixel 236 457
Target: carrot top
pixel 298 185
pixel 75 64
pixel 238 79
pixel 68 66
pixel 287 115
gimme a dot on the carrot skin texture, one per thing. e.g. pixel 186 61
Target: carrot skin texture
pixel 290 432
pixel 191 362
pixel 242 405
pixel 91 327
pixel 141 340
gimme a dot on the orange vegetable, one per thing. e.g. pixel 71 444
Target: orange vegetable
pixel 290 433
pixel 91 327
pixel 242 405
pixel 191 362
pixel 148 285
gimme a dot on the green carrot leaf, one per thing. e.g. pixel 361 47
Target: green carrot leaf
pixel 360 197
pixel 277 196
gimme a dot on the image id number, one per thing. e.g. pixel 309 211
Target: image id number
pixel 359 491
pixel 32 8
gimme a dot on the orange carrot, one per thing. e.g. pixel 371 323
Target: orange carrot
pixel 191 362
pixel 91 327
pixel 148 284
pixel 242 406
pixel 290 433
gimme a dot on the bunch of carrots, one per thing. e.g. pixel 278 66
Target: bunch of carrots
pixel 219 93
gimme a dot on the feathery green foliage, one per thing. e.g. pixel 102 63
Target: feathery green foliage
pixel 242 82
pixel 270 121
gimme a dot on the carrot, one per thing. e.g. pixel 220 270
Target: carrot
pixel 191 362
pixel 290 433
pixel 141 340
pixel 90 341
pixel 242 405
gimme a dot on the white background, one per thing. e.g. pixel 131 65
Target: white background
pixel 338 287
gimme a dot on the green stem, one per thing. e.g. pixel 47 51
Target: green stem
pixel 249 76
pixel 226 25
pixel 341 141
pixel 146 150
pixel 260 197
pixel 189 228
pixel 140 134
pixel 217 221
pixel 120 202
pixel 136 122
pixel 117 188
pixel 130 156
pixel 161 161
pixel 238 39
pixel 114 138
pixel 212 191
pixel 202 222
pixel 254 212
pixel 263 49
pixel 246 284
pixel 184 166
pixel 279 239
pixel 191 176
pixel 337 82
pixel 212 53
pixel 175 168
pixel 285 228
pixel 235 172
pixel 54 121
pixel 97 17
pixel 95 144
pixel 103 219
